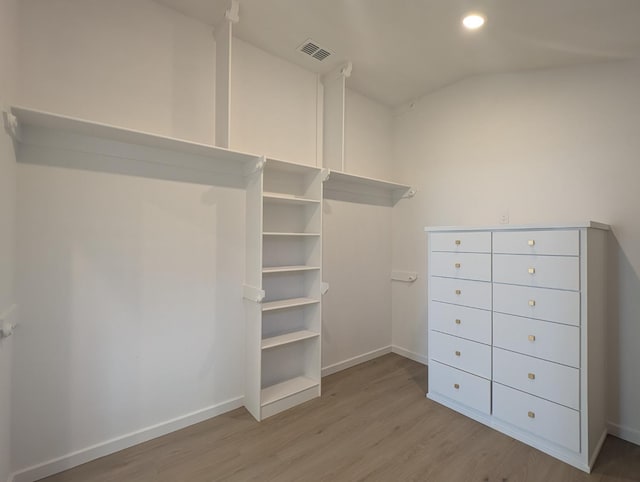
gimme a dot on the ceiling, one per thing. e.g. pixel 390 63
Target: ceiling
pixel 403 49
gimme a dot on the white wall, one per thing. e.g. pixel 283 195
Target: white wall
pixel 368 145
pixel 131 287
pixel 548 146
pixel 357 246
pixel 8 22
pixel 273 106
pixel 128 63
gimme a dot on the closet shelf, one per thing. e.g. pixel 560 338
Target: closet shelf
pixel 288 303
pixel 278 198
pixel 288 269
pixel 349 187
pixel 287 338
pixel 51 139
pixel 273 233
pixel 285 389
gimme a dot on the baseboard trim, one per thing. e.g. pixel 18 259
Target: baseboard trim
pixel 93 452
pixel 356 360
pixel 625 433
pixel 409 354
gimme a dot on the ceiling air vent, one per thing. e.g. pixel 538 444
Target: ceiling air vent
pixel 311 48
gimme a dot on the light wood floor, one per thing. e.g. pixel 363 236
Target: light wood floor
pixel 372 422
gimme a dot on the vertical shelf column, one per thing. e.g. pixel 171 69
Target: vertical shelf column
pixel 283 287
pixel 334 117
pixel 224 38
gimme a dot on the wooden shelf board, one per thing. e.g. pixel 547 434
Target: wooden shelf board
pixel 272 233
pixel 288 269
pixel 285 389
pixel 287 338
pixel 276 197
pixel 51 139
pixel 343 186
pixel 288 303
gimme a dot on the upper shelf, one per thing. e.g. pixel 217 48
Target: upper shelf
pixel 45 138
pixel 349 187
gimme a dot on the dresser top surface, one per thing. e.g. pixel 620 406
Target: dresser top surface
pixel 518 227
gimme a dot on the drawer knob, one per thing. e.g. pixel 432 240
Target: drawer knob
pixel 532 271
pixel 458 322
pixel 458 292
pixel 457 265
pixel 532 337
pixel 456 386
pixel 532 376
pixel 532 302
pixel 531 415
pixel 457 242
pixel 457 353
pixel 531 242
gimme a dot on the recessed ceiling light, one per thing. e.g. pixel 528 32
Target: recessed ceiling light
pixel 473 21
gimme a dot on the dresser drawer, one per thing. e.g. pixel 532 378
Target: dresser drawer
pixel 540 303
pixel 470 390
pixel 550 341
pixel 563 243
pixel 558 424
pixel 464 242
pixel 470 323
pixel 476 294
pixel 466 355
pixel 561 272
pixel 473 266
pixel 545 379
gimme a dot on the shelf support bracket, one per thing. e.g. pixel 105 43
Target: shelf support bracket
pixel 324 287
pixel 11 125
pixel 406 276
pixel 409 194
pixel 255 167
pixel 325 174
pixel 252 293
pixel 232 13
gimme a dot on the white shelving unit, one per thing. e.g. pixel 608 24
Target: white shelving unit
pixel 284 259
pixel 349 187
pixel 56 140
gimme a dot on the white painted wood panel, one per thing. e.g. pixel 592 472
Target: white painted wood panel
pixel 553 341
pixel 472 266
pixel 476 242
pixel 560 272
pixel 476 294
pixel 540 303
pixel 552 242
pixel 470 323
pixel 548 380
pixel 555 423
pixel 473 391
pixel 466 355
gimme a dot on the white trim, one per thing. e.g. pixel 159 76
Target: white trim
pixel 411 355
pixel 356 360
pixel 596 452
pixel 93 452
pixel 625 433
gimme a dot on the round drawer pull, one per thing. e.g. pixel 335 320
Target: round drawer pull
pixel 457 265
pixel 531 415
pixel 458 322
pixel 458 292
pixel 457 242
pixel 532 337
pixel 457 353
pixel 532 376
pixel 532 302
pixel 532 271
pixel 456 386
pixel 531 242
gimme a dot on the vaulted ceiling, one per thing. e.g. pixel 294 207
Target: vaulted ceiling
pixel 403 49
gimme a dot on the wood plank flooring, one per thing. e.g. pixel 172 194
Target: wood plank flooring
pixel 372 423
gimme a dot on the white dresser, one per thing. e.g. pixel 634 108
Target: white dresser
pixel 517 332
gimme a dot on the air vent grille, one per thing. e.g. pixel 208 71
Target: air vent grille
pixel 311 48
